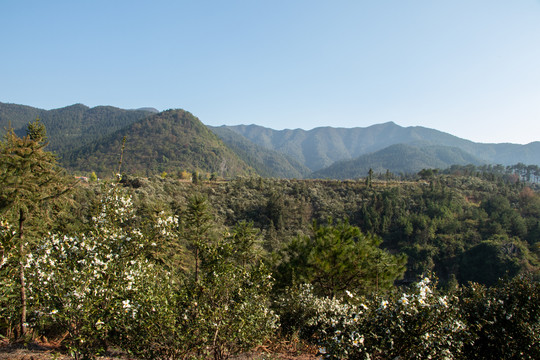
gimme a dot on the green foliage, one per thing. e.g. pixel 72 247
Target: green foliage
pixel 94 283
pixel 227 310
pixel 29 174
pixel 9 288
pixel 339 258
pixel 492 260
pixel 436 224
pixel 168 141
pixel 31 181
pixel 504 320
pixel 197 223
pixel 501 322
pixel 119 273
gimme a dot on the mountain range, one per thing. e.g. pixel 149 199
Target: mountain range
pixel 90 139
pixel 321 147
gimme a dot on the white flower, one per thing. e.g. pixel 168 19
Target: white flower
pixel 358 341
pixel 404 300
pixel 384 304
pixel 443 302
pixel 126 304
pixel 349 294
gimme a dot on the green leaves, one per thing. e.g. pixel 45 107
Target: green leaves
pixel 420 322
pixel 338 258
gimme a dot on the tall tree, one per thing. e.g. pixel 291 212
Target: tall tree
pixel 197 223
pixel 30 179
pixel 339 257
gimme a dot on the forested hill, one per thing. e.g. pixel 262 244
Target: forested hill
pixel 170 141
pixel 89 139
pixel 267 163
pixel 321 147
pixel 399 158
pixel 71 126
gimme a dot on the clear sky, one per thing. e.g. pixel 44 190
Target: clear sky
pixel 467 67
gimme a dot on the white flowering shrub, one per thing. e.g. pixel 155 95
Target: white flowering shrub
pixel 418 324
pixel 504 320
pixel 304 313
pixel 227 310
pixel 222 312
pixel 9 287
pixel 94 284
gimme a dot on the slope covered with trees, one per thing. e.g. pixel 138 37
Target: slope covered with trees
pixel 167 269
pixel 320 147
pixel 171 141
pixel 71 126
pixel 439 221
pixel 267 163
pixel 398 159
pixel 347 153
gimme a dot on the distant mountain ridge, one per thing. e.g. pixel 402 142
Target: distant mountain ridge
pixel 398 159
pixel 320 147
pixel 267 163
pixel 71 126
pixel 89 139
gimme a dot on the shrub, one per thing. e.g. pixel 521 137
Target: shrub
pixel 94 284
pixel 504 320
pixel 417 324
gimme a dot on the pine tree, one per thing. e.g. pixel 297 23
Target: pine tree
pixel 197 222
pixel 339 257
pixel 30 178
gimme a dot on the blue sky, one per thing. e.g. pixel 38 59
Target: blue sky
pixel 467 67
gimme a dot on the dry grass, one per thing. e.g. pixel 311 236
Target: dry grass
pixel 40 350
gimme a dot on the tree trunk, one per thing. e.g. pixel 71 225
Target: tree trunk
pixel 197 264
pixel 22 218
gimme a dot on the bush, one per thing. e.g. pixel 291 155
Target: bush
pixel 504 320
pixel 417 324
pixel 95 284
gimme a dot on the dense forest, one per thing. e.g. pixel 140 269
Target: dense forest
pixel 320 147
pixel 440 221
pixel 438 264
pixel 72 126
pixel 88 140
pixel 171 141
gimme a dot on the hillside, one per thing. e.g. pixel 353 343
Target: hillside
pixel 321 147
pixel 71 126
pixel 171 141
pixel 75 131
pixel 398 159
pixel 267 163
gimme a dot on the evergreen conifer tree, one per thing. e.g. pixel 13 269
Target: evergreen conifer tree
pixel 29 178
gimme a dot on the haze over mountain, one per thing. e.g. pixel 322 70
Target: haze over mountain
pixel 398 158
pixel 89 139
pixel 321 147
pixel 267 163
